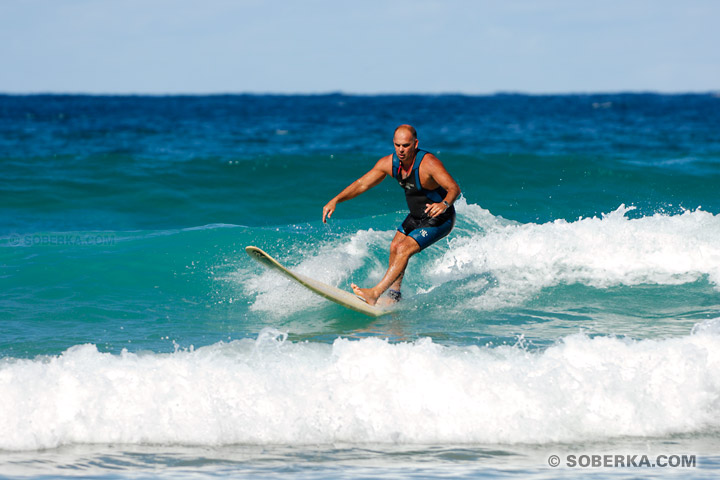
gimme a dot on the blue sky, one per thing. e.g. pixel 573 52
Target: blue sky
pixel 361 46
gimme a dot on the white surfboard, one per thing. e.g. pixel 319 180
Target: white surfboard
pixel 341 297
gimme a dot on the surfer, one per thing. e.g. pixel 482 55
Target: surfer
pixel 430 192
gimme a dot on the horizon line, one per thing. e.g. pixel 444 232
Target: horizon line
pixel 715 93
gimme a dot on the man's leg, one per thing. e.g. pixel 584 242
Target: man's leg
pixel 394 290
pixel 401 249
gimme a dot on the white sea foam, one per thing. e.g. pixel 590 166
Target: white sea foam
pixel 275 391
pixel 613 250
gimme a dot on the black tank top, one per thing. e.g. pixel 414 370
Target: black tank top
pixel 417 197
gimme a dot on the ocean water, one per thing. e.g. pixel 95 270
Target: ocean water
pixel 573 311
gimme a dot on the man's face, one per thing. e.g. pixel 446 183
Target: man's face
pixel 405 144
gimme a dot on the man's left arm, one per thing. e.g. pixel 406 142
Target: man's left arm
pixel 440 175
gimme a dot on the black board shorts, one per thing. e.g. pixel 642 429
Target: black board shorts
pixel 426 231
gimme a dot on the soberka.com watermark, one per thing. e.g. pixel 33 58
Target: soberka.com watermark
pixel 623 461
pixel 82 239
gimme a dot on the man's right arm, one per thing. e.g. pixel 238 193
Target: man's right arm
pixel 361 185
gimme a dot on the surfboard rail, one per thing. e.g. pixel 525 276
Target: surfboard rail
pixel 334 294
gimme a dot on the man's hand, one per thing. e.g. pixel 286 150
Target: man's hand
pixel 328 210
pixel 435 209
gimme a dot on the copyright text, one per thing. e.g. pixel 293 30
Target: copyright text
pixel 623 461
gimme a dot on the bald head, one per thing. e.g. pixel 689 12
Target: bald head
pixel 406 143
pixel 406 128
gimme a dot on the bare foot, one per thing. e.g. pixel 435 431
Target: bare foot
pixel 365 293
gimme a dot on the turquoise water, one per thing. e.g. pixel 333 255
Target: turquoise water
pixel 574 309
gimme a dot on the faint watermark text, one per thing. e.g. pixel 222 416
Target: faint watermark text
pixel 78 239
